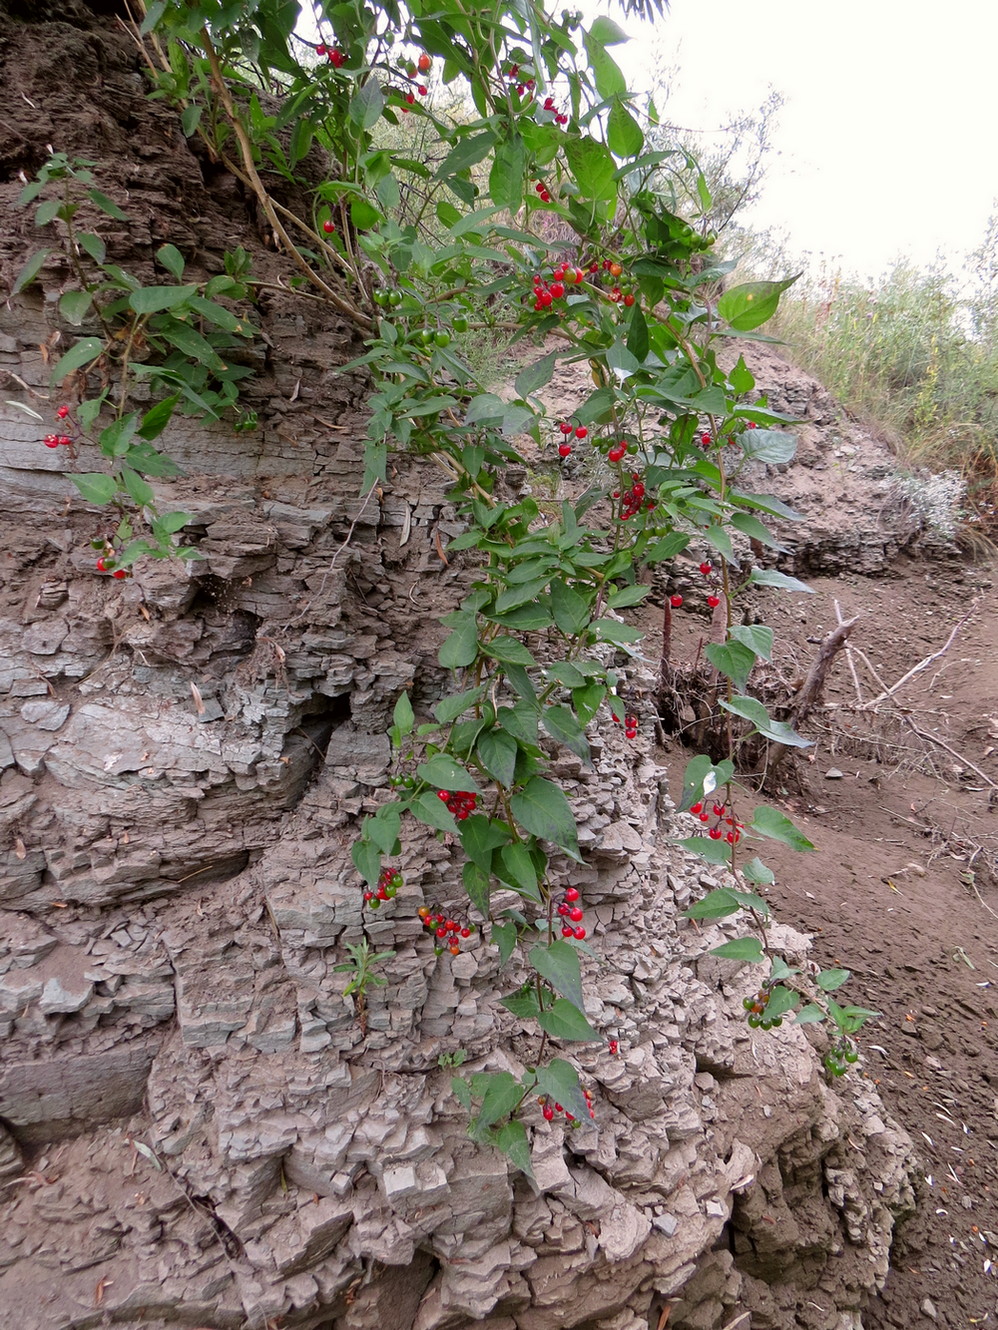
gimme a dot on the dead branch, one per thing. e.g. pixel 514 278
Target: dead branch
pixel 922 664
pixel 941 743
pixel 809 694
pixel 849 660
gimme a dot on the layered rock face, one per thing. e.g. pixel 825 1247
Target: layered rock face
pixel 198 1127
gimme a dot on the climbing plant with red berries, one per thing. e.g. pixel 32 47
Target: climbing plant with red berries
pixel 540 208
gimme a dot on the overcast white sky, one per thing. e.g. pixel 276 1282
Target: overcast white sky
pixel 887 138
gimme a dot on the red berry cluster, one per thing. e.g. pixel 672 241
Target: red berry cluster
pixel 522 84
pixel 614 269
pixel 617 452
pixel 448 931
pixel 549 1108
pixel 388 885
pixel 633 499
pixel 548 290
pixel 542 191
pixel 567 429
pixel 460 803
pixel 108 560
pixel 559 117
pixel 613 1046
pixel 571 914
pixel 333 53
pixel 713 600
pixel 717 832
pixel 630 724
pixel 60 440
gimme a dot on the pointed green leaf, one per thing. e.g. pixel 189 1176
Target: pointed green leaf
pixel 810 1015
pixel 771 822
pixel 829 980
pixel 559 965
pixel 480 836
pixel 623 133
pixel 366 860
pixel 403 716
pixel 433 812
pixel 107 205
pixel 30 271
pixel 501 1093
pixel 777 731
pixel 746 307
pixel 564 1021
pixel 443 773
pixel 561 723
pixel 96 487
pixel 560 1081
pixel 511 1138
pixel 503 936
pixel 497 753
pixel 156 419
pixel 770 577
pixel 461 647
pixel 152 299
pixel 740 949
pixel 82 353
pixel 508 650
pixel 478 884
pixel 571 612
pixel 74 305
pixel 734 660
pixel 542 809
pixel 170 257
pixel 757 637
pixel 140 490
pixel 367 105
pixel 516 868
pixel 714 851
pixel 756 871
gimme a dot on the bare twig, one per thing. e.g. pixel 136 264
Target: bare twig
pixel 849 660
pixel 922 664
pixel 941 743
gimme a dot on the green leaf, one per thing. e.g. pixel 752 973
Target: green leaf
pixel 433 812
pixel 461 647
pixel 517 869
pixel 30 271
pixel 570 610
pixel 466 153
pixel 367 105
pixel 756 871
pixel 449 708
pixel 511 1138
pixel 383 828
pixel 607 74
pixel 221 317
pixel 543 810
pixel 829 980
pixel 95 486
pixel 623 133
pixel 637 334
pixel 48 211
pixel 561 723
pixel 741 378
pixel 770 577
pixel 564 672
pixel 777 731
pixel 588 700
pixel 140 490
pixel 520 594
pixel 772 446
pixel 781 1000
pixel 734 660
pixel 503 936
pixel 190 119
pixel 610 630
pixel 563 1020
pixel 170 257
pixel 560 1081
pixel 73 306
pixel 506 175
pixel 501 1093
pixel 497 753
pixel 170 523
pixel 757 637
pixel 524 1003
pixel 403 716
pixel 536 375
pixel 152 299
pixel 715 905
pixel 443 773
pixel 749 525
pixel 156 419
pixel 721 541
pixel 746 307
pixel 508 650
pixel 462 1092
pixel 480 836
pixel 666 548
pixel 771 822
pixel 478 884
pixel 623 596
pixel 592 165
pixel 82 353
pixel 714 851
pixel 810 1015
pixel 559 965
pixel 740 949
pixel 366 860
pixel 107 205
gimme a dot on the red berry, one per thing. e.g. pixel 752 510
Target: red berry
pixel 548 1112
pixel 423 90
pixel 713 601
pixel 545 298
pixel 557 290
pixel 563 910
pixel 581 432
pixel 423 63
pixel 328 227
pixel 696 808
pixel 612 1045
pixel 575 915
pixel 615 454
pixel 102 566
pixel 545 197
pixel 320 50
pixel 580 934
pixel 564 449
pixel 706 568
pixel 675 601
pixel 615 294
pixel 443 794
pixel 752 425
pixel 410 98
pixel 565 427
pixel 119 573
pixel 63 412
pixel 51 441
pixel 714 833
pixel 571 894
pixel 337 59
pixel 705 439
pixel 441 931
pixel 566 931
pixel 466 932
pixel 628 300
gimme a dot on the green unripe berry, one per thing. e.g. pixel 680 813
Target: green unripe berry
pixel 441 338
pixel 460 324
